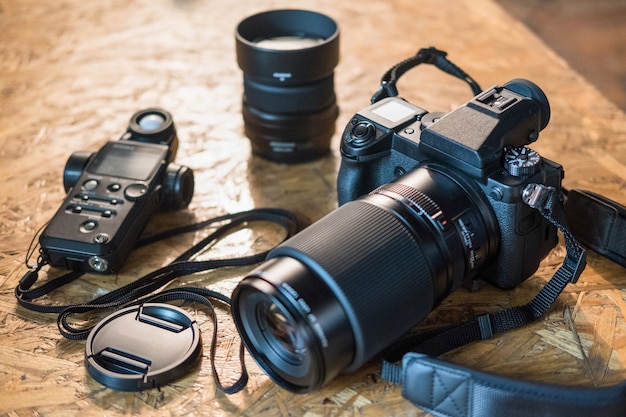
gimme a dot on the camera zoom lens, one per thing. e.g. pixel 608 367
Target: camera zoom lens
pixel 342 290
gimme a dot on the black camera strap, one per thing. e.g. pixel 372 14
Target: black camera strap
pixel 431 56
pixel 598 223
pixel 444 389
pixel 447 390
pixel 144 289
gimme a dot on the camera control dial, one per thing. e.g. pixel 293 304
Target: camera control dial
pixel 521 162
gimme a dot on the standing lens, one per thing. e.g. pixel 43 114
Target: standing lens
pixel 362 276
pixel 288 59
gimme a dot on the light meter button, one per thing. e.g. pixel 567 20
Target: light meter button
pixel 135 192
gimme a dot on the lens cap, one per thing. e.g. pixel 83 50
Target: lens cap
pixel 142 347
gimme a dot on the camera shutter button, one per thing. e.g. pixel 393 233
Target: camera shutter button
pixel 362 133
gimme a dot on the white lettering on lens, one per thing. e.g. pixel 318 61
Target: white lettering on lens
pixel 315 325
pixel 304 305
pixel 469 243
pixel 290 290
pixel 282 76
pixel 317 328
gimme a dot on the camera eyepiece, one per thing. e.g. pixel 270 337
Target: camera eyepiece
pixel 289 106
pixel 527 88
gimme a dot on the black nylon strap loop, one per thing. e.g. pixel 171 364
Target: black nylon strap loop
pixel 424 56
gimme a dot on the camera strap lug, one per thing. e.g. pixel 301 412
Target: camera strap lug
pixel 550 204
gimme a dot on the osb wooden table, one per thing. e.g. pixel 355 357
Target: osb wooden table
pixel 71 74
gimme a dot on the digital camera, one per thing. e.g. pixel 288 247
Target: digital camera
pixel 111 195
pixel 446 207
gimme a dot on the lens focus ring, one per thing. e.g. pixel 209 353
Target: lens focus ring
pixel 305 98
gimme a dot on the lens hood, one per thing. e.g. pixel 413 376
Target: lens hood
pixel 291 66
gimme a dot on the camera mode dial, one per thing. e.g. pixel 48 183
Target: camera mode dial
pixel 521 162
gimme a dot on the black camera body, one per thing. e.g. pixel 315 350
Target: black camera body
pixel 483 142
pixel 111 195
pixel 428 202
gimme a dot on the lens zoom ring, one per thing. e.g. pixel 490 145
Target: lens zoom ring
pixel 416 197
pixel 428 208
pixel 371 256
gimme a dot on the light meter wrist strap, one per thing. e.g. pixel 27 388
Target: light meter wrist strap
pixel 142 290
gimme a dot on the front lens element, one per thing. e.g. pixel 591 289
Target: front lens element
pixel 281 333
pixel 292 325
pixel 288 43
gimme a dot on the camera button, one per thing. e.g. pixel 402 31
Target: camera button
pixel 90 185
pixel 114 187
pixel 362 133
pixel 88 226
pixel 135 192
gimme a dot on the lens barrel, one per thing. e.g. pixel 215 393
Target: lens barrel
pixel 355 281
pixel 289 106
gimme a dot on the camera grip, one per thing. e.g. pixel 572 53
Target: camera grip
pixel 353 180
pixel 526 238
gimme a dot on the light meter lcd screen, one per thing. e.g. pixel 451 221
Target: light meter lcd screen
pixel 132 161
